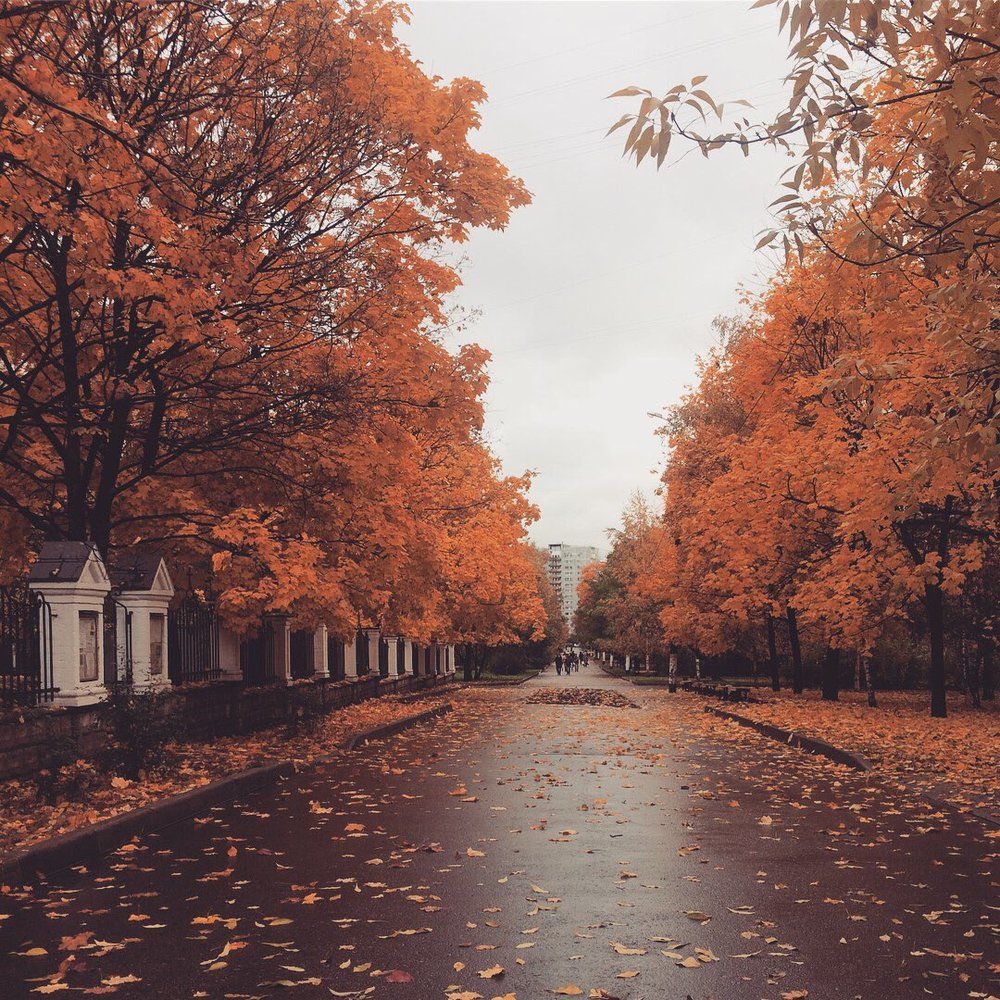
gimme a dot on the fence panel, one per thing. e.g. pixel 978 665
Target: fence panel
pixel 193 641
pixel 117 621
pixel 335 658
pixel 301 650
pixel 361 651
pixel 25 647
pixel 257 657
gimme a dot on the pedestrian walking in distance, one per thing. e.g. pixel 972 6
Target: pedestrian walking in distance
pixel 559 663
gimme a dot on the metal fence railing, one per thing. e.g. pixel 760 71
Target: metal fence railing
pixel 193 641
pixel 25 647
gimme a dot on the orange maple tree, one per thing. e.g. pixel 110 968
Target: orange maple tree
pixel 220 268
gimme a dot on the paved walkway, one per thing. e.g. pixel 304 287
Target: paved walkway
pixel 573 847
pixel 590 676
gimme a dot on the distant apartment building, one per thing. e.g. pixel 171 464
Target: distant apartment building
pixel 566 563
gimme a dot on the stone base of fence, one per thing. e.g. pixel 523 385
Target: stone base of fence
pixel 220 708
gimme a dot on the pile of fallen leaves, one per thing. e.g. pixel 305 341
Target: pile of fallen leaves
pixel 26 818
pixel 580 696
pixel 956 759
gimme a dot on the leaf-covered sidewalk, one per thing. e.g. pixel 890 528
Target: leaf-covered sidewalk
pixel 956 759
pixel 27 819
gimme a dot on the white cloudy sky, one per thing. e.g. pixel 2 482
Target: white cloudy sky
pixel 599 296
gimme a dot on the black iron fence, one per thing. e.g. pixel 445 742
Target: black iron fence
pixel 301 649
pixel 257 657
pixel 117 624
pixel 193 641
pixel 25 647
pixel 383 657
pixel 335 658
pixel 361 652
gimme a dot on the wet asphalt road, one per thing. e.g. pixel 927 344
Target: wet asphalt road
pixel 550 841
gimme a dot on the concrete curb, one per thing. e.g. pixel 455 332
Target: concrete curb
pixel 391 728
pixel 809 743
pixel 856 760
pixel 628 679
pixel 991 819
pixel 499 684
pixel 89 843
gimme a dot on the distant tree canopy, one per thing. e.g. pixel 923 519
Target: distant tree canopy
pixel 615 610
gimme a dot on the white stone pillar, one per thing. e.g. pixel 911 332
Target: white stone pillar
pixel 351 659
pixel 146 592
pixel 281 636
pixel 321 658
pixel 74 582
pixel 406 657
pixel 229 655
pixel 148 639
pixel 393 644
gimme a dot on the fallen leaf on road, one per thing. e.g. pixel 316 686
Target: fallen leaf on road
pixel 625 950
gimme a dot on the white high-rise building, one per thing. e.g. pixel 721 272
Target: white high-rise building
pixel 566 563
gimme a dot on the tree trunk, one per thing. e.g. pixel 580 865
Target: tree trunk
pixel 831 669
pixel 989 678
pixel 772 654
pixel 869 675
pixel 934 605
pixel 857 671
pixel 467 663
pixel 972 663
pixel 793 642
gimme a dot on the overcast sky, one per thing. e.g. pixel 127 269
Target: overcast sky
pixel 598 298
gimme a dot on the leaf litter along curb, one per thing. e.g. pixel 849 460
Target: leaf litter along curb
pixel 27 820
pixel 956 759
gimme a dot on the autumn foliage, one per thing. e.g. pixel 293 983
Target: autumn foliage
pixel 833 477
pixel 221 268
